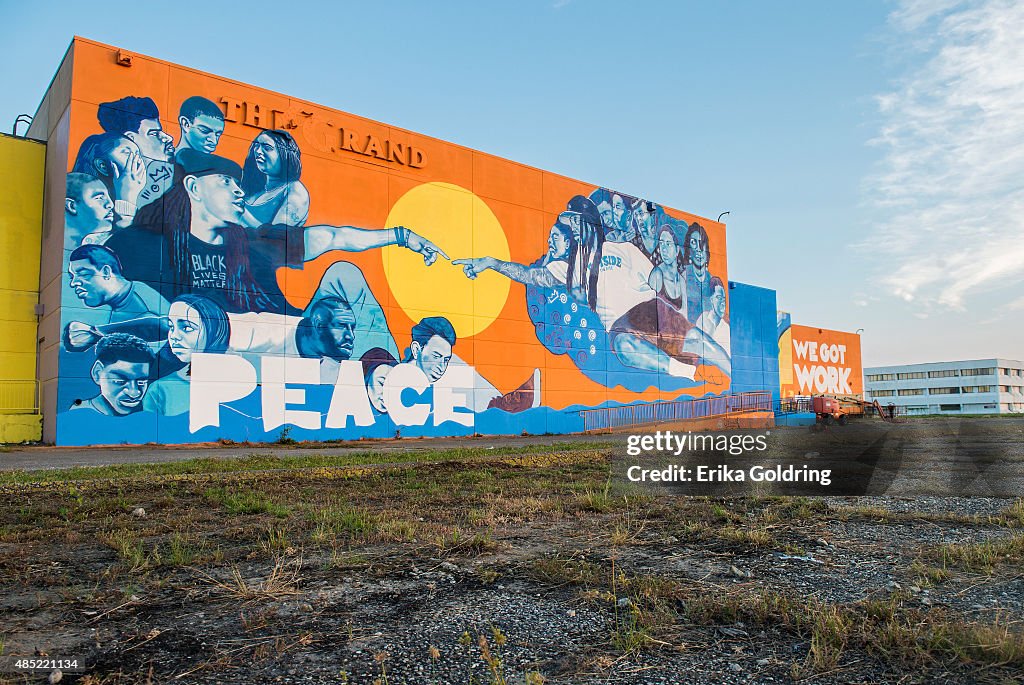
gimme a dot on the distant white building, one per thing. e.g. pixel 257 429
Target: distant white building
pixel 976 386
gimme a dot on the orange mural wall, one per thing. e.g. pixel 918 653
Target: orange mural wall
pixel 818 361
pixel 462 228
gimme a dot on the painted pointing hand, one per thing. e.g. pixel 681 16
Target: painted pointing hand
pixel 473 267
pixel 429 250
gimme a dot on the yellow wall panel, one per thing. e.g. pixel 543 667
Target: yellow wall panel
pixel 21 175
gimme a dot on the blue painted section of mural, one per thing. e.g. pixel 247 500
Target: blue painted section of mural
pixel 801 419
pixel 755 341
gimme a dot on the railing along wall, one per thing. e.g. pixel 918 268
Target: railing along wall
pixel 19 397
pixel 660 412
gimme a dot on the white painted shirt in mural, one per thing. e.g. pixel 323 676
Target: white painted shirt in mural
pixel 622 282
pixel 719 332
pixel 264 333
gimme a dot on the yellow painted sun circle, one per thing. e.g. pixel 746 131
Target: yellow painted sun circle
pixel 462 225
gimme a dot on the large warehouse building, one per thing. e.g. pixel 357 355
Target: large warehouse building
pixel 215 260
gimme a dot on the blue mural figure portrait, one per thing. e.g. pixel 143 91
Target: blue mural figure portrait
pixel 195 324
pixel 560 241
pixel 644 216
pixel 138 119
pixel 88 211
pixel 698 278
pixel 713 321
pixel 117 161
pixel 97 279
pixel 668 277
pixel 377 364
pixel 602 199
pixel 431 346
pixel 192 241
pixel 202 124
pixel 121 371
pixel 270 180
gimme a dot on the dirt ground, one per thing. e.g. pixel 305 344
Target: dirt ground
pixel 502 564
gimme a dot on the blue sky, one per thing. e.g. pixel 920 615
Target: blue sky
pixel 869 153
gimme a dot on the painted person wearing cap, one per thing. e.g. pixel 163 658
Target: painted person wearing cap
pixel 191 241
pixel 612 279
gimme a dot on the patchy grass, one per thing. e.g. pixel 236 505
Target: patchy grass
pixel 1012 517
pixel 906 635
pixel 757 537
pixel 982 557
pixel 239 502
pixel 1014 514
pixel 230 544
pixel 283 581
pixel 458 542
pixel 261 462
pixel 928 576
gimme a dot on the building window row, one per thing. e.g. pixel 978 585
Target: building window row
pixel 945 373
pixel 948 390
pixel 871 377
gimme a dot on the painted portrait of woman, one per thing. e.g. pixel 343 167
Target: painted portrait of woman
pixel 195 324
pixel 270 179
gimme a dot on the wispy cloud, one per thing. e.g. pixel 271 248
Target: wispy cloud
pixel 950 188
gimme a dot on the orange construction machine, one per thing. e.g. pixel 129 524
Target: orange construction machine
pixel 828 410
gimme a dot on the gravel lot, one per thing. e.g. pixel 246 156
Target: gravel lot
pixel 505 565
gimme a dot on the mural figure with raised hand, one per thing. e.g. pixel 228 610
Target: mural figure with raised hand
pixel 612 279
pixel 138 120
pixel 116 161
pixel 193 242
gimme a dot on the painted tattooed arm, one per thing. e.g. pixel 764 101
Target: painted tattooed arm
pixel 321 239
pixel 527 275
